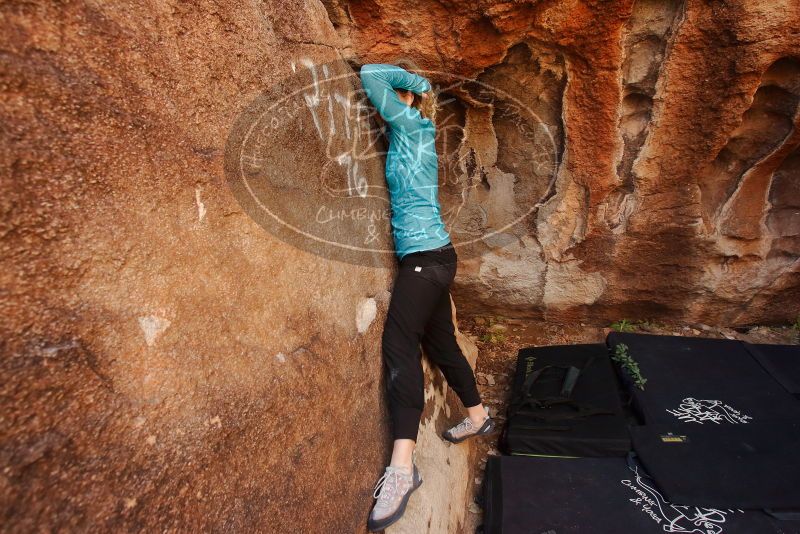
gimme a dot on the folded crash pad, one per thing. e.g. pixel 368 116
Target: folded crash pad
pixel 565 402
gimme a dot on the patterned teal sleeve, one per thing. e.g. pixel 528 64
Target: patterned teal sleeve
pixel 380 80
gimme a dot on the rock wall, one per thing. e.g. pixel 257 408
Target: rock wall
pixel 615 159
pixel 168 365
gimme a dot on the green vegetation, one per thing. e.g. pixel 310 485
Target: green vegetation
pixel 626 325
pixel 796 323
pixel 494 328
pixel 650 325
pixel 494 319
pixel 628 365
pixel 623 326
pixel 493 337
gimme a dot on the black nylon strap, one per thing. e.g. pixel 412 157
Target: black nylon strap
pixel 570 379
pixel 541 404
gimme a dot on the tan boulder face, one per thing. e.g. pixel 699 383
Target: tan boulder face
pixel 659 184
pixel 167 364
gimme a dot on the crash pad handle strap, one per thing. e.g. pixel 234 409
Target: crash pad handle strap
pixel 567 386
pixel 532 378
pixel 570 377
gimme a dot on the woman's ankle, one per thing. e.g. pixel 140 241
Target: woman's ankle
pixel 403 453
pixel 409 465
pixel 481 415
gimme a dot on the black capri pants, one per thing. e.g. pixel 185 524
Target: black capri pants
pixel 420 312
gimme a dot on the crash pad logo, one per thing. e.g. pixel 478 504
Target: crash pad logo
pixel 671 517
pixel 529 364
pixel 701 411
pixel 306 161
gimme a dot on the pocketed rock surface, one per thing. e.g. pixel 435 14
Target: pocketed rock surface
pixel 628 158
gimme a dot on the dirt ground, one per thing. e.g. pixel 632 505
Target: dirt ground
pixel 499 339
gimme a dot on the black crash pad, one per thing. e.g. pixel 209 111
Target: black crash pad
pixel 701 380
pixel 588 421
pixel 524 495
pixel 782 362
pixel 748 466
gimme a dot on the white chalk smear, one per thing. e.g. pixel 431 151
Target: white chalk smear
pixel 201 208
pixel 153 326
pixel 365 314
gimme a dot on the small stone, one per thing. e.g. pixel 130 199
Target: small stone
pixel 695 331
pixel 498 328
pixel 130 503
pixel 474 508
pixel 485 379
pixel 705 327
pixel 480 321
pixel 151 440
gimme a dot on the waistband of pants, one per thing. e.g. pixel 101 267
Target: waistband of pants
pixel 444 254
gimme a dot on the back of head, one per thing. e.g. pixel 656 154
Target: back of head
pixel 427 106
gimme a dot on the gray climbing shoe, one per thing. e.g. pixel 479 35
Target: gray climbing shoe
pixel 395 487
pixel 467 429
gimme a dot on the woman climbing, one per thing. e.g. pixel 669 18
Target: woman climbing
pixel 419 310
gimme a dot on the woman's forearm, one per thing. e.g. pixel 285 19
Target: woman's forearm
pixel 396 77
pixel 380 80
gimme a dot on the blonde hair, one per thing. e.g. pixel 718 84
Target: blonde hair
pixel 427 106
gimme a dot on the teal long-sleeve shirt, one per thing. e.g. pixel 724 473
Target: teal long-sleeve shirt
pixel 412 165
